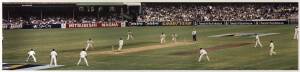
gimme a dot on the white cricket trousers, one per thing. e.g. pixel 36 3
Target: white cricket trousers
pixel 53 60
pixel 296 35
pixel 31 56
pixel 200 57
pixel 88 46
pixel 174 39
pixel 162 40
pixel 120 46
pixel 272 52
pixel 129 37
pixel 85 60
pixel 257 42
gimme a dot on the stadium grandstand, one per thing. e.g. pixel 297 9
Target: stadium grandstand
pixel 16 15
pixel 149 35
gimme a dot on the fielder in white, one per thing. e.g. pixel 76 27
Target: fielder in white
pixel 129 35
pixel 257 41
pixel 121 42
pixel 296 33
pixel 162 38
pixel 272 52
pixel 83 55
pixel 31 54
pixel 53 56
pixel 174 36
pixel 202 53
pixel 90 43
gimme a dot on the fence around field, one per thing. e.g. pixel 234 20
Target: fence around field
pixel 151 23
pixel 196 23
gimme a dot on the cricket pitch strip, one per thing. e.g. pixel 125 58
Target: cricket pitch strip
pixel 145 48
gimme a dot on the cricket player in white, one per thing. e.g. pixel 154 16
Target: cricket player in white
pixel 83 55
pixel 272 52
pixel 257 41
pixel 296 33
pixel 162 38
pixel 129 35
pixel 121 42
pixel 90 43
pixel 194 34
pixel 202 53
pixel 31 54
pixel 53 56
pixel 174 36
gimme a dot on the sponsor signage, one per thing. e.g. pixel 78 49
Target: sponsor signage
pixel 209 23
pixel 82 25
pixel 93 25
pixel 40 26
pixel 177 23
pixel 110 24
pixel 240 22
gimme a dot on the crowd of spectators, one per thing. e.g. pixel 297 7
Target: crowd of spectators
pixel 179 12
pixel 216 11
pixel 18 22
pixel 61 20
pixel 14 23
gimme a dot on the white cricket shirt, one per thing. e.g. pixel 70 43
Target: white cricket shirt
pixel 121 42
pixel 83 54
pixel 53 54
pixel 203 51
pixel 194 32
pixel 90 42
pixel 31 53
pixel 162 36
pixel 257 37
pixel 272 45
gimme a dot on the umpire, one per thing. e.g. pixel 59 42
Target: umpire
pixel 194 33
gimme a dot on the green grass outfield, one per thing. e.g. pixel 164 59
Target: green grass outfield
pixel 69 42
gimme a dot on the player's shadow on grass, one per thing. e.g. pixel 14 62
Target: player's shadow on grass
pixel 108 47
